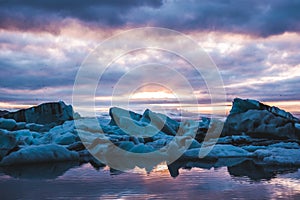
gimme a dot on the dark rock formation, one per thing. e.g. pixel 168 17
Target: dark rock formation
pixel 46 113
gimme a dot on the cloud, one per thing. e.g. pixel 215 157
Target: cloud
pixel 260 68
pixel 34 15
pixel 283 90
pixel 38 78
pixel 257 18
pixel 31 62
pixel 37 65
pixel 249 66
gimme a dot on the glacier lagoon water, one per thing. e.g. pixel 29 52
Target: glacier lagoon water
pixel 70 181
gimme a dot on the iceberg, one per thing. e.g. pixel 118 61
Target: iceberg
pixel 218 151
pixel 39 154
pixel 279 156
pixel 7 124
pixel 258 120
pixel 147 124
pixel 253 133
pixel 66 139
pixel 141 148
pixel 243 105
pixel 46 113
pixel 7 143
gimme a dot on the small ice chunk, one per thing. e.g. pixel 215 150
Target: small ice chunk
pixel 88 124
pixel 252 148
pixel 20 125
pixel 141 148
pixel 158 144
pixel 286 145
pixel 68 126
pixel 39 154
pixel 8 124
pixel 279 156
pixel 218 151
pixel 66 139
pixel 7 143
pixel 34 127
pixel 126 145
pixel 228 151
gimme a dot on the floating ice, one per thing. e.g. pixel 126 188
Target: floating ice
pixel 39 154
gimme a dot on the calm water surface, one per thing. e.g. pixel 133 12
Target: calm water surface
pixel 66 181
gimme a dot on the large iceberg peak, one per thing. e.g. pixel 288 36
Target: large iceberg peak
pixel 243 105
pixel 46 113
pixel 256 119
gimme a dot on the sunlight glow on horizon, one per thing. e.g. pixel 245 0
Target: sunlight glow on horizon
pixel 14 106
pixel 153 95
pixel 185 109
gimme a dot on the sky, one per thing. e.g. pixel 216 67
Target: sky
pixel 254 44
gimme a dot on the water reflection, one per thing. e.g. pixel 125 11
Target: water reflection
pixel 236 167
pixel 193 180
pixel 258 172
pixel 39 171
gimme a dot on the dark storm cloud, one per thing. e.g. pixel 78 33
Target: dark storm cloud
pixel 246 62
pixel 35 77
pixel 260 17
pixel 45 15
pixel 281 90
pixel 270 91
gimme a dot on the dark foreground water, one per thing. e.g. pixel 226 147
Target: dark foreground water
pixel 68 181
